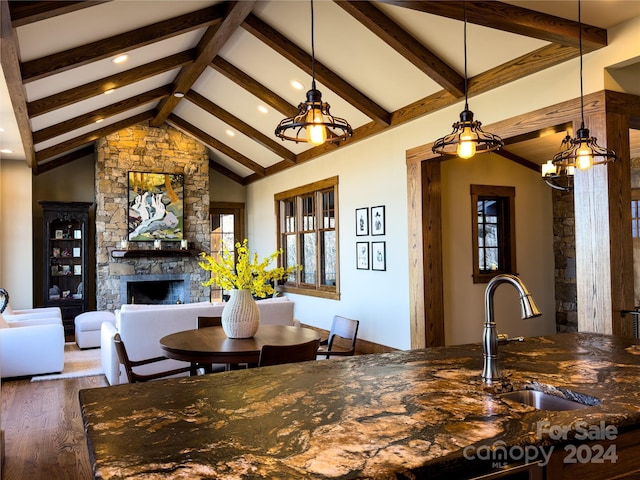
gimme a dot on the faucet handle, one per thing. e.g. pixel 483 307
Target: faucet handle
pixel 504 338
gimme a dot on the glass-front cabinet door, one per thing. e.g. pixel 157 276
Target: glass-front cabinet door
pixel 66 258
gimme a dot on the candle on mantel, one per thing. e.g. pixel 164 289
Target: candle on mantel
pixel 157 245
pixel 184 244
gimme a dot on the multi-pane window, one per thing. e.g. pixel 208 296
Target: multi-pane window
pixel 308 234
pixel 493 211
pixel 227 220
pixel 635 213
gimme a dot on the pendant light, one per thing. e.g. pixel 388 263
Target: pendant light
pixel 583 151
pixel 559 177
pixel 467 137
pixel 313 123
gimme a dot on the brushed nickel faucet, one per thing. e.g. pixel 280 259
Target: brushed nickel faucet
pixel 490 369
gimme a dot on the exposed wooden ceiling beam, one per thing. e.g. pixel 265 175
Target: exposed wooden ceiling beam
pixel 67 158
pixel 226 172
pixel 81 140
pixel 514 19
pixel 107 47
pixel 215 144
pixel 234 74
pixel 217 111
pixel 24 13
pixel 405 44
pixel 101 114
pixel 324 75
pixel 519 160
pixel 210 44
pixel 122 79
pixel 11 69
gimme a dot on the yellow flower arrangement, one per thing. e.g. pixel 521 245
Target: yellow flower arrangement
pixel 246 273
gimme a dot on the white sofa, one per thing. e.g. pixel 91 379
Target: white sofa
pixel 31 346
pixel 142 326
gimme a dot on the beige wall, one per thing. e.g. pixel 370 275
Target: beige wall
pixel 16 258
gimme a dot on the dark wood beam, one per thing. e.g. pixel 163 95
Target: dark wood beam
pixel 90 137
pixel 11 69
pixel 101 114
pixel 519 160
pixel 215 144
pixel 122 79
pixel 105 48
pixel 210 44
pixel 514 19
pixel 252 86
pixel 67 158
pixel 289 50
pixel 405 44
pixel 226 172
pixel 24 13
pixel 217 111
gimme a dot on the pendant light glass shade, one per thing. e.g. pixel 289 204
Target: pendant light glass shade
pixel 582 151
pixel 314 123
pixel 467 137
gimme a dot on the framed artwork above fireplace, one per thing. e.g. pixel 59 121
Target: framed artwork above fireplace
pixel 155 207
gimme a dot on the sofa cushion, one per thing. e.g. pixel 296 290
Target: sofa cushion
pixel 3 322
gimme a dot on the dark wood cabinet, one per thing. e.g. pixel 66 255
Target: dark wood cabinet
pixel 66 259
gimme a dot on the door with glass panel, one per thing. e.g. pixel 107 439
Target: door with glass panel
pixel 227 229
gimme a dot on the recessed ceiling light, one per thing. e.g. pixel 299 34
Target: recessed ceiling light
pixel 100 120
pixel 263 109
pixel 120 58
pixel 6 150
pixel 1 129
pixel 178 94
pixel 297 85
pixel 107 92
pixel 231 133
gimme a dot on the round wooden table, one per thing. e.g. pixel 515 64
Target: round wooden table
pixel 211 345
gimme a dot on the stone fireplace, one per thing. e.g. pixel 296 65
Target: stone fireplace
pixel 155 289
pixel 147 149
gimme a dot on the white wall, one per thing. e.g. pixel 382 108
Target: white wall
pixel 16 248
pixel 373 173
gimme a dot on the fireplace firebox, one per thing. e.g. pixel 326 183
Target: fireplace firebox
pixel 155 289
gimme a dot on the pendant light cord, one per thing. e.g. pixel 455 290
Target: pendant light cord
pixel 313 53
pixel 581 88
pixel 466 88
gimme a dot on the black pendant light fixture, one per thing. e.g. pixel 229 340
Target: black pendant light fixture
pixel 583 151
pixel 313 123
pixel 467 137
pixel 559 177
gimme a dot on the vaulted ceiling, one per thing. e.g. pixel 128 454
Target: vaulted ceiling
pixel 221 71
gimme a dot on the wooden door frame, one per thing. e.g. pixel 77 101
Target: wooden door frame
pixel 234 208
pixel 608 113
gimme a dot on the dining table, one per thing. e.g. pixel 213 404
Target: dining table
pixel 211 345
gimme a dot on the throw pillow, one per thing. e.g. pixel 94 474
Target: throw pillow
pixel 4 299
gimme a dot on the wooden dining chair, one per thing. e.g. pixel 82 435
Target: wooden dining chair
pixel 342 338
pixel 129 365
pixel 204 322
pixel 279 354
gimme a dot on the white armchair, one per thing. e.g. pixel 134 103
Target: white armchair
pixel 31 346
pixel 11 315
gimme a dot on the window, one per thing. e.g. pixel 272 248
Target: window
pixel 635 212
pixel 493 231
pixel 308 235
pixel 227 229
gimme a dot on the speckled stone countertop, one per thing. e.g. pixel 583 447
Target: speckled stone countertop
pixel 410 414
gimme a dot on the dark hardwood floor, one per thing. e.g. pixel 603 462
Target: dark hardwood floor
pixel 43 429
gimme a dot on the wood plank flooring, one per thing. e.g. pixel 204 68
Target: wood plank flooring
pixel 43 429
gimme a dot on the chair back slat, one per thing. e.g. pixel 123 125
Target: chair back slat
pixel 280 354
pixel 345 328
pixel 204 322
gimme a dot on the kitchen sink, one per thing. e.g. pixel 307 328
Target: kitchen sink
pixel 543 401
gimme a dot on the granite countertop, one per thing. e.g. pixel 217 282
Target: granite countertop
pixel 392 415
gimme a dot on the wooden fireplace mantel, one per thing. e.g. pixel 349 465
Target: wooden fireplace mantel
pixel 154 253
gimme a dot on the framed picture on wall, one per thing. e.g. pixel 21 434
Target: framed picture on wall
pixel 377 220
pixel 156 207
pixel 378 256
pixel 362 221
pixel 362 255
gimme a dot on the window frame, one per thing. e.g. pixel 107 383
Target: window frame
pixel 316 189
pixel 506 226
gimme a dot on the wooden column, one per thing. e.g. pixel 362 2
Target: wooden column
pixel 604 251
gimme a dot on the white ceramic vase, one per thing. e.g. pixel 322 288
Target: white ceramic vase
pixel 240 316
